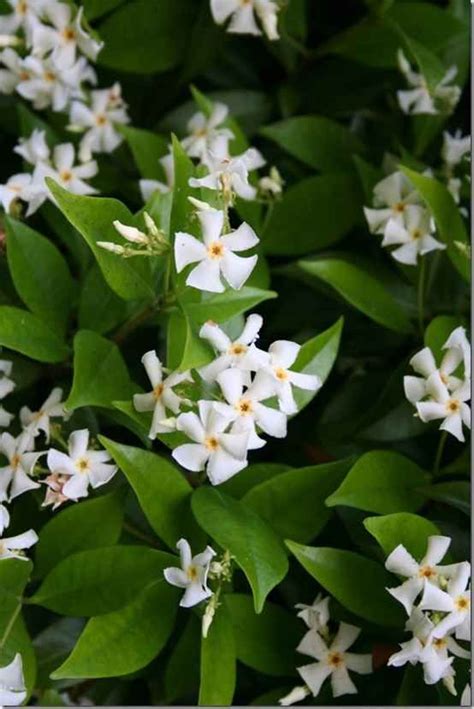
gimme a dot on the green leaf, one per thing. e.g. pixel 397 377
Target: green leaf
pixel 163 492
pixel 147 148
pixel 224 306
pixel 181 210
pixel 255 546
pixel 100 373
pixel 40 274
pixel 456 494
pixel 317 356
pixel 96 8
pixel 126 640
pixel 185 349
pixel 264 642
pixel 356 582
pixel 100 309
pixel 98 581
pixel 361 290
pixel 92 524
pixel 438 332
pixel 218 662
pixel 182 671
pixel 317 141
pixel 323 208
pixel 428 63
pixel 24 332
pixel 449 222
pixel 401 528
pixel 383 482
pixel 250 476
pixel 293 502
pixel 93 217
pixel 146 37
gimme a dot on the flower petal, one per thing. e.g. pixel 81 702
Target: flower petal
pixel 237 269
pixel 191 456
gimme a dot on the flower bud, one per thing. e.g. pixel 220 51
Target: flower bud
pixel 131 233
pixel 296 695
pixel 110 246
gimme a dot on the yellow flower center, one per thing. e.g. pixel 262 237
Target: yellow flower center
pixel 237 349
pixel 426 572
pixel 68 34
pixel 216 250
pixel 281 374
pixel 49 76
pixel 244 407
pixel 192 572
pixel 82 465
pixel 211 443
pixel 158 391
pixel 15 461
pixel 416 234
pixel 399 207
pixel 101 119
pixel 65 175
pixel 335 659
pixel 462 603
pixel 453 406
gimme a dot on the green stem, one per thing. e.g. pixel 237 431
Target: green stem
pixel 135 321
pixel 439 453
pixel 421 296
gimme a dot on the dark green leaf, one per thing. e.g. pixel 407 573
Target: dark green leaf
pixel 24 332
pixel 218 662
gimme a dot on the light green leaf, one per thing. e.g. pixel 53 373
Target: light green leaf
pixel 224 306
pixel 293 502
pixel 92 524
pixel 383 482
pixel 24 332
pixel 100 374
pixel 456 494
pixel 147 148
pixel 218 662
pixel 126 640
pixel 93 217
pixel 181 210
pixel 401 528
pixel 313 214
pixel 255 546
pixel 163 492
pixel 264 642
pixel 356 582
pixel 449 222
pixel 40 274
pixel 317 141
pixel 185 349
pixel 360 289
pixel 98 581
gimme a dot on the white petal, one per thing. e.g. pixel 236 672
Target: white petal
pixel 407 254
pixel 237 269
pixel 345 637
pixel 176 577
pixel 222 9
pixel 401 562
pixel 59 462
pixel 211 332
pixel 362 664
pixel 21 483
pixel 458 582
pixel 410 652
pixel 415 388
pixel 424 362
pixel 313 645
pixel 223 466
pixel 341 683
pixel 435 599
pixel 187 249
pixel 272 422
pixel 314 675
pixel 453 424
pixel 231 382
pixel 153 367
pixel 395 233
pixel 193 595
pixel 308 382
pixel 210 372
pixel 192 456
pixel 206 277
pixel 78 442
pixel 212 221
pixel 241 239
pixel 235 444
pixel 21 541
pixel 284 353
pixel 184 552
pixel 101 474
pixel 252 327
pixel 430 411
pixel 437 549
pixel 77 486
pixel 144 402
pixel 407 592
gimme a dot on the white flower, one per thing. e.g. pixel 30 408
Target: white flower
pixel 455 602
pixel 5 418
pixel 333 661
pixel 149 187
pixel 391 197
pixel 241 352
pixel 12 548
pixel 16 187
pixel 446 405
pixel 4 518
pixel 243 17
pixel 162 396
pixel 316 615
pixel 35 148
pixel 14 72
pixel 245 410
pixel 282 354
pixel 192 575
pixel 12 683
pixel 413 238
pixel 419 575
pixel 34 422
pixel 85 467
pixel 6 384
pixel 54 494
pixel 222 454
pixel 15 477
pixel 203 131
pixel 455 147
pixel 216 253
pixel 24 16
pixel 297 694
pixel 229 174
pixel 419 99
pixel 65 38
pixel 272 184
pixel 44 84
pixel 99 121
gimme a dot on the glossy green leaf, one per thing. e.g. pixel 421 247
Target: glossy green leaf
pixel 162 490
pixel 182 672
pixel 356 582
pixel 40 274
pixel 185 349
pixel 181 210
pixel 147 148
pixel 317 141
pixel 383 482
pixel 93 217
pixel 227 305
pixel 98 581
pixel 362 290
pixel 313 214
pixel 126 640
pixel 264 642
pixel 252 475
pixel 100 374
pixel 218 662
pixel 455 494
pixel 255 546
pixel 100 309
pixel 92 524
pixel 294 502
pixel 24 332
pixel 401 528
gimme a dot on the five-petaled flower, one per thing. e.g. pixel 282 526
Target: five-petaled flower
pixel 192 575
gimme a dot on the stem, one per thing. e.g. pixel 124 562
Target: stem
pixel 135 321
pixel 420 300
pixel 439 452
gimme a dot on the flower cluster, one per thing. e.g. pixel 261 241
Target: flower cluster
pixel 438 393
pixel 328 647
pixel 243 16
pixel 245 380
pixel 454 152
pixel 420 98
pixel 437 601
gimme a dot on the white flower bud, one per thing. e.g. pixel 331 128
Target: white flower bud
pixel 207 618
pixel 9 40
pixel 296 695
pixel 199 205
pixel 150 224
pixel 110 246
pixel 131 233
